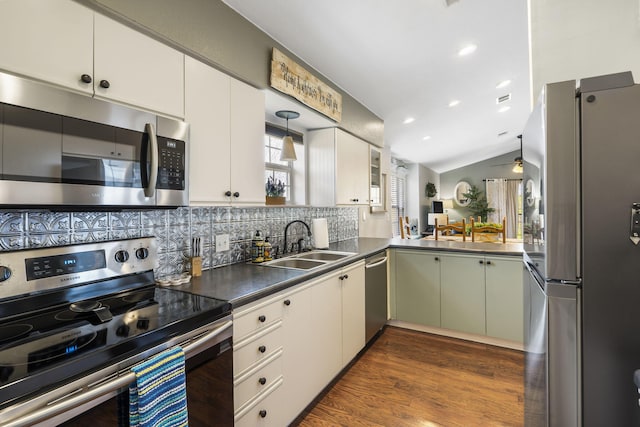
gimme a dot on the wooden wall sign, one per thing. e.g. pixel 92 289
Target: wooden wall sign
pixel 290 78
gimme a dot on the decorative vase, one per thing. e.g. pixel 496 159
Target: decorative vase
pixel 269 200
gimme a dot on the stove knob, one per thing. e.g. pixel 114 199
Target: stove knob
pixel 5 273
pixel 142 324
pixel 5 373
pixel 122 256
pixel 142 253
pixel 123 331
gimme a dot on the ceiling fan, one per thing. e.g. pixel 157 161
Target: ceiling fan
pixel 517 162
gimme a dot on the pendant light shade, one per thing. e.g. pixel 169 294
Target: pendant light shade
pixel 288 150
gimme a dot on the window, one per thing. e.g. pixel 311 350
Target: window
pixel 398 199
pixel 274 167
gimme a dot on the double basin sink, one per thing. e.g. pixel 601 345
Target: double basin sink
pixel 308 260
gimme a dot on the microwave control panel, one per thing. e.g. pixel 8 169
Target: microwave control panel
pixel 171 164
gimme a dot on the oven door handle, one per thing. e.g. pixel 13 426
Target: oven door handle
pixel 59 406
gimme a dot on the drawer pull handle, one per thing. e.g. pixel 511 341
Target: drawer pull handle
pixel 287 302
pixel 262 349
pixel 263 413
pixel 262 318
pixel 262 380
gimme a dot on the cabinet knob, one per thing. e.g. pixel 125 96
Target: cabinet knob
pixel 488 262
pixel 236 194
pixel 346 276
pixel 262 349
pixel 481 262
pixel 262 381
pixel 436 259
pixel 227 193
pixel 105 84
pixel 287 302
pixel 263 413
pixel 262 318
pixel 86 78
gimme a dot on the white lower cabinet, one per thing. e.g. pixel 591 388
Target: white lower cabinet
pixel 462 292
pixel 288 347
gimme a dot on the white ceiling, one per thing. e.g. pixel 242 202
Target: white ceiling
pixel 399 59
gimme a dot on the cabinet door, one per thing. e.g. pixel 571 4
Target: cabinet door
pixel 298 342
pixel 141 71
pixel 207 99
pixel 418 287
pixel 353 312
pixel 326 318
pixel 352 170
pixel 504 298
pixel 247 144
pixel 463 293
pixel 48 40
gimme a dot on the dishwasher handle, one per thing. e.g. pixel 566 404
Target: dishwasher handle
pixel 376 263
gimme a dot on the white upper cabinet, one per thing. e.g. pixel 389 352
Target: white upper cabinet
pixel 50 41
pixel 226 119
pixel 55 41
pixel 338 168
pixel 134 69
pixel 247 144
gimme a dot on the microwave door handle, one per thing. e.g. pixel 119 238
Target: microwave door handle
pixel 149 190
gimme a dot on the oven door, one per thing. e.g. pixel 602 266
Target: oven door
pixel 95 402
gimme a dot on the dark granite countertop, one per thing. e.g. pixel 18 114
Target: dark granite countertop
pixel 243 283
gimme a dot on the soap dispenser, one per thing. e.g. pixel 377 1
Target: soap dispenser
pixel 257 248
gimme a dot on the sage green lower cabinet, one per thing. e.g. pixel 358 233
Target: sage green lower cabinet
pixel 504 298
pixel 418 287
pixel 460 291
pixel 463 293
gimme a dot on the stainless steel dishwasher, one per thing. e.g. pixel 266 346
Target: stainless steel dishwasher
pixel 375 293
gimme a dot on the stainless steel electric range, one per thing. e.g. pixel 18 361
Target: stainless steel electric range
pixel 75 319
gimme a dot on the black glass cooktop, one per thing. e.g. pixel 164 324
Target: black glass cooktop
pixel 52 344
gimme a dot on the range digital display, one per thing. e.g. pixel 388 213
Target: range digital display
pixel 58 265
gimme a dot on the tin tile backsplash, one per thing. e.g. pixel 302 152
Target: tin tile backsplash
pixel 174 229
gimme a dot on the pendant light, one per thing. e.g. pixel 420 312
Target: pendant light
pixel 288 151
pixel 517 168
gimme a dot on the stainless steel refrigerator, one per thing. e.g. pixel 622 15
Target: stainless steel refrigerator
pixel 581 203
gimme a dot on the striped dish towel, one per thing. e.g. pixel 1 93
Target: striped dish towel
pixel 158 397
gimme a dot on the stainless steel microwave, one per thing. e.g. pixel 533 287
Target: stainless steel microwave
pixel 63 150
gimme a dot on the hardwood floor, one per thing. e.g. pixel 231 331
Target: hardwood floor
pixel 409 378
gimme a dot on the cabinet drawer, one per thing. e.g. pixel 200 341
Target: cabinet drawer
pixel 257 382
pixel 249 352
pixel 256 319
pixel 265 411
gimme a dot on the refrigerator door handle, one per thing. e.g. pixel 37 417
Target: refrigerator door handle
pixel 576 282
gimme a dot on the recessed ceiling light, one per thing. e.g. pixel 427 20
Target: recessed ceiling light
pixel 454 103
pixel 408 120
pixel 467 50
pixel 503 83
pixel 503 109
pixel 425 138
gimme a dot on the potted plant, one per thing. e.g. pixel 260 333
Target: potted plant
pixel 478 204
pixel 275 192
pixel 430 190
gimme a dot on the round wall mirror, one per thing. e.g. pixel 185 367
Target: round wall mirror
pixel 458 193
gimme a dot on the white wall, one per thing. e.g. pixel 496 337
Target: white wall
pixel 573 39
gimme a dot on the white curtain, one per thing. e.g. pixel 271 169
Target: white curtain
pixel 502 196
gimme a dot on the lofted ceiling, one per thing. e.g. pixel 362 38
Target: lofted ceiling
pixel 400 59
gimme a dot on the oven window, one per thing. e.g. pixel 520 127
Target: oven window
pixel 209 394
